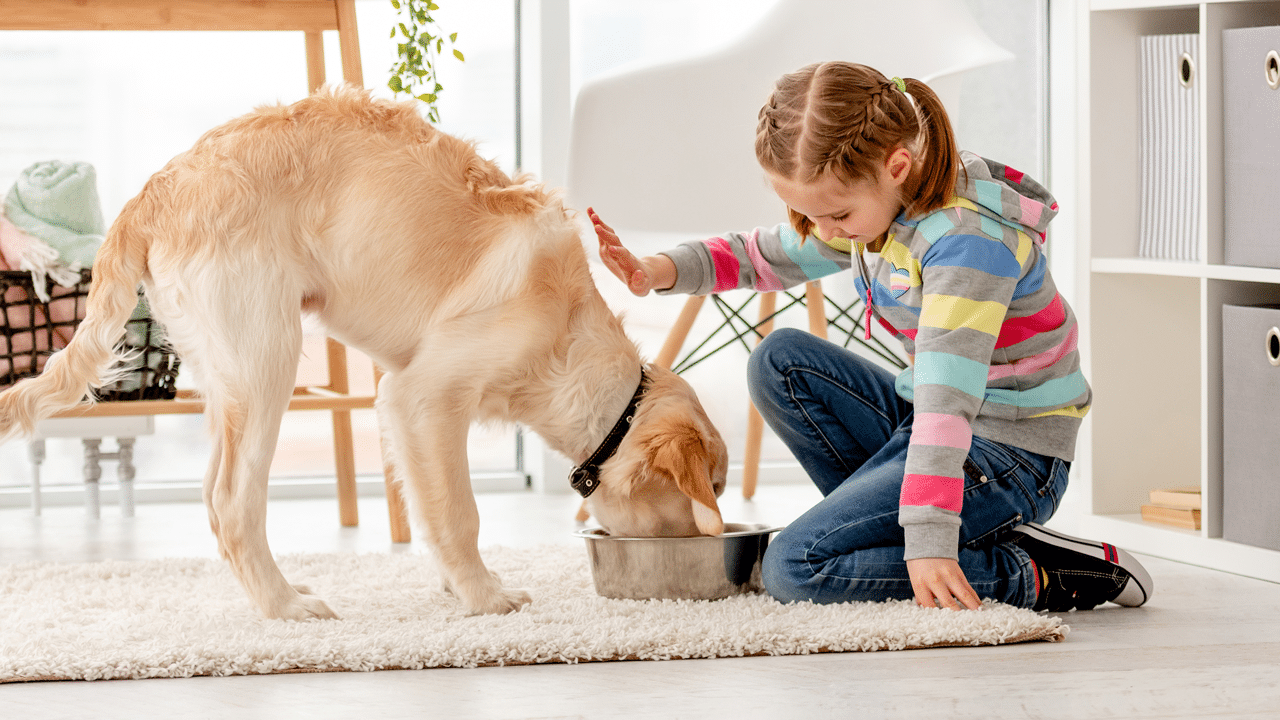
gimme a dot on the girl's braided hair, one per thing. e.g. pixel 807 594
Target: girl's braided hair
pixel 845 119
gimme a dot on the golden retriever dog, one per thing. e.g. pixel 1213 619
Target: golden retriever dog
pixel 471 290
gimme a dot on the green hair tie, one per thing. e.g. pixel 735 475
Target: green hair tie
pixel 902 86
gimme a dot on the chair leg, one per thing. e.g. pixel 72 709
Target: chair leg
pixel 675 339
pixel 815 301
pixel 315 60
pixel 92 476
pixel 751 454
pixel 400 532
pixel 344 460
pixel 344 456
pixel 349 43
pixel 36 453
pixel 755 423
pixel 125 474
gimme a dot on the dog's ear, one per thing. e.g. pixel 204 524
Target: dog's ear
pixel 680 454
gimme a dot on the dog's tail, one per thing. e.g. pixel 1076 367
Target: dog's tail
pixel 87 361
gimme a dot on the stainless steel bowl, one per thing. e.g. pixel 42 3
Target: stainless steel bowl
pixel 686 568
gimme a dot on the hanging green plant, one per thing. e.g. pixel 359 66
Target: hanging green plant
pixel 421 44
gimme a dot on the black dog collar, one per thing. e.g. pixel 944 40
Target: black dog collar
pixel 586 477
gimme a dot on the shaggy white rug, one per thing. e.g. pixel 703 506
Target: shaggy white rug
pixel 185 617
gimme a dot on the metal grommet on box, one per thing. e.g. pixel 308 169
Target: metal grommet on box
pixel 1273 346
pixel 1186 70
pixel 1271 68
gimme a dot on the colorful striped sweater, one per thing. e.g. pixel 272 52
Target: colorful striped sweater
pixel 968 292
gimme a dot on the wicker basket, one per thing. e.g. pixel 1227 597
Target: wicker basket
pixel 31 330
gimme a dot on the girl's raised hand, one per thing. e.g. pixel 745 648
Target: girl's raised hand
pixel 640 276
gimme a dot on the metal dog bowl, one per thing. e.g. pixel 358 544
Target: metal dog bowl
pixel 681 568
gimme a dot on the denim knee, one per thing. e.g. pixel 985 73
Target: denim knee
pixel 767 365
pixel 782 572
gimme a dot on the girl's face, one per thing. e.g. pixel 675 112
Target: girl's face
pixel 861 212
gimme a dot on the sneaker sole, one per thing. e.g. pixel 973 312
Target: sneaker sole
pixel 1135 592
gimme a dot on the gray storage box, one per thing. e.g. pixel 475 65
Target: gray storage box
pixel 1169 220
pixel 1251 425
pixel 1251 126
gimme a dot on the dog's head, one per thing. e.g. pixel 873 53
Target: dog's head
pixel 666 475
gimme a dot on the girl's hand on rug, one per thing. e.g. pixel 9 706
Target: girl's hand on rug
pixel 657 272
pixel 939 582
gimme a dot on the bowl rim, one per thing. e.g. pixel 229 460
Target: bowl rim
pixel 748 529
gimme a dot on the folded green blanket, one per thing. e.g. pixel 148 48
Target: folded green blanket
pixel 58 203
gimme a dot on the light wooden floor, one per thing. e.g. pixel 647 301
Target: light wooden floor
pixel 1207 645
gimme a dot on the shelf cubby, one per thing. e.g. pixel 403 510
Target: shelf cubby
pixel 1152 334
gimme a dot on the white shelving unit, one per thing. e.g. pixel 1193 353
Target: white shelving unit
pixel 1152 329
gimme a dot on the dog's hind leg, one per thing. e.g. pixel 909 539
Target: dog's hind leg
pixel 249 372
pixel 210 482
pixel 426 417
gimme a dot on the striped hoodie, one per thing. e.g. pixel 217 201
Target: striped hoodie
pixel 968 292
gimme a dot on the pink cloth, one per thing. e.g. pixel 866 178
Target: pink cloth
pixel 12 242
pixel 25 324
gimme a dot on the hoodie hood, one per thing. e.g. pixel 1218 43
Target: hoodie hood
pixel 1005 194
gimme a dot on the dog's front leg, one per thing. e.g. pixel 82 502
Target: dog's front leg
pixel 427 432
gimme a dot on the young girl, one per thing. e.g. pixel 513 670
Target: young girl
pixel 933 481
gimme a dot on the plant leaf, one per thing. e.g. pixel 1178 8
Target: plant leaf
pixel 415 70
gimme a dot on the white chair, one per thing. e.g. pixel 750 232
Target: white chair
pixel 666 153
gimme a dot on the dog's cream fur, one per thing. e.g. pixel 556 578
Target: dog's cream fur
pixel 472 291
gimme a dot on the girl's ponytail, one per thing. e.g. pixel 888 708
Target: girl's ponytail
pixel 940 166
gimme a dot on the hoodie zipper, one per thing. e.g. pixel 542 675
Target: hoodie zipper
pixel 866 281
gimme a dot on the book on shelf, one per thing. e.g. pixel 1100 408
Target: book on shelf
pixel 1178 497
pixel 1182 517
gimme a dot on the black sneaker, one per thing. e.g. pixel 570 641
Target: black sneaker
pixel 1081 574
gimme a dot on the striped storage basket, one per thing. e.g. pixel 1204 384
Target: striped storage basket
pixel 1169 220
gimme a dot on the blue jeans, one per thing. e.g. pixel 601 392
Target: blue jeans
pixel 839 415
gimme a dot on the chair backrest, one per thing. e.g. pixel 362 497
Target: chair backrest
pixel 670 147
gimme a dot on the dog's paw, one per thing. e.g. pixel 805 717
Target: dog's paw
pixel 303 589
pixel 500 602
pixel 306 607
